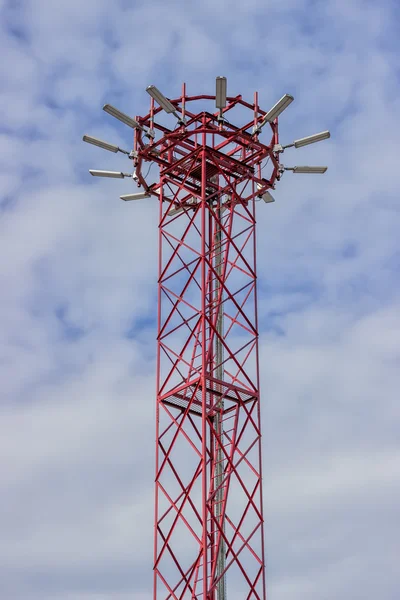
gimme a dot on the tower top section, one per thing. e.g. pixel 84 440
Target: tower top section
pixel 242 139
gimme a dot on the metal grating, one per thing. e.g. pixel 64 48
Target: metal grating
pixel 211 170
pixel 191 396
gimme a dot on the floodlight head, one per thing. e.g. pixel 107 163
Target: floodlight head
pixel 160 99
pixel 316 170
pixel 220 92
pixel 96 142
pixel 278 108
pixel 312 139
pixel 105 145
pixel 136 196
pixel 266 196
pixel 114 174
pixel 175 211
pixel 117 114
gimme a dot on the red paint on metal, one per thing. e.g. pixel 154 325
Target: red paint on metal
pixel 206 166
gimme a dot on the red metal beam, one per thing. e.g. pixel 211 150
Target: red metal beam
pixel 196 509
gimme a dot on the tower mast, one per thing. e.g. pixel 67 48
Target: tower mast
pixel 209 525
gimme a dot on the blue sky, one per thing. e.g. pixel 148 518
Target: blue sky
pixel 78 279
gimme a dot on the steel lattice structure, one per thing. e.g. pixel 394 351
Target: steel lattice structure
pixel 208 535
pixel 208 473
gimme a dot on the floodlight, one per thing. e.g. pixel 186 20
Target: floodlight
pixel 175 211
pixel 278 108
pixel 115 174
pixel 266 196
pixel 274 112
pixel 312 139
pixel 136 196
pixel 220 92
pixel 160 99
pixel 96 142
pixel 319 170
pixel 117 114
pixel 105 145
pixel 164 102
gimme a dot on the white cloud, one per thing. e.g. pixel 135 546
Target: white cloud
pixel 78 272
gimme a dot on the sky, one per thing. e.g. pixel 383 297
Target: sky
pixel 78 278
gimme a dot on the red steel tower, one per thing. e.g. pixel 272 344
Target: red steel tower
pixel 208 533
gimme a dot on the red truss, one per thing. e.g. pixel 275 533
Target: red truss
pixel 209 535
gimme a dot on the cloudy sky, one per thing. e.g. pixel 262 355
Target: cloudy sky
pixel 78 290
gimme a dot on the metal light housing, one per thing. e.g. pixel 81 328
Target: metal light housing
pixel 311 139
pixel 266 196
pixel 165 104
pixel 175 211
pixel 278 108
pixel 96 142
pixel 117 114
pixel 220 92
pixel 113 174
pixel 135 196
pixel 89 139
pixel 316 170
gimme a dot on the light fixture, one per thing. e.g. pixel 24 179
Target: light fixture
pixel 117 114
pixel 165 104
pixel 175 211
pixel 220 92
pixel 105 145
pixel 115 174
pixel 274 112
pixel 266 196
pixel 278 108
pixel 319 170
pixel 160 99
pixel 136 196
pixel 312 139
